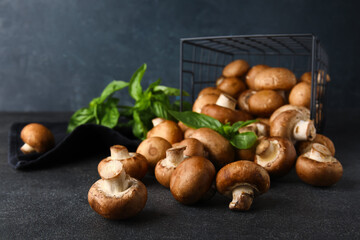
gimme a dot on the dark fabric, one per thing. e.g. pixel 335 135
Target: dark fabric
pixel 85 140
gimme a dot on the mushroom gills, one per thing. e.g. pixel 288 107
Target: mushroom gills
pixel 267 151
pixel 242 198
pixel 26 148
pixel 304 130
pixel 320 153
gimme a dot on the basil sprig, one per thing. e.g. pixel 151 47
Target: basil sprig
pixel 231 132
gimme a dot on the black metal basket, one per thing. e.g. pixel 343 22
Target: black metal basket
pixel 202 60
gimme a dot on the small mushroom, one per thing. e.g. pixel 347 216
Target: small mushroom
pixel 116 195
pixel 277 155
pixel 165 167
pixel 265 102
pixel 294 126
pixel 250 76
pixel 210 90
pixel 236 68
pixel 317 167
pixel 203 100
pixel 243 180
pixel 134 164
pixel 193 147
pixel 37 138
pixel 224 110
pixel 306 77
pixel 300 95
pixel 305 111
pixel 153 149
pixel 192 180
pixel 231 86
pixel 275 79
pixel 221 152
pixel 305 146
pixel 166 129
pixel 243 99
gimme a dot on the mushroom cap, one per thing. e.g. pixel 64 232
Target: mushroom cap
pixel 306 77
pixel 304 146
pixel 136 165
pixel 318 173
pixel 232 86
pixel 192 179
pixel 279 163
pixel 121 206
pixel 203 100
pixel 300 95
pixel 153 149
pixel 242 173
pixel 168 130
pixel 243 100
pixel 265 102
pixel 210 90
pixel 236 68
pixel 250 76
pixel 38 137
pixel 225 115
pixel 193 147
pixel 246 154
pixel 221 152
pixel 287 107
pixel 275 79
pixel 182 126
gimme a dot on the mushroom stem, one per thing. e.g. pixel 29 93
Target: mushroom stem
pixel 267 150
pixel 242 198
pixel 320 153
pixel 118 184
pixel 175 155
pixel 119 152
pixel 304 130
pixel 157 121
pixel 226 101
pixel 26 148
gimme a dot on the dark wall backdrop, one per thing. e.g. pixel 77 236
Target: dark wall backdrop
pixel 58 55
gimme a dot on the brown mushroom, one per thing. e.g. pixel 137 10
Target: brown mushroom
pixel 318 168
pixel 203 100
pixel 193 147
pixel 277 155
pixel 263 103
pixel 221 152
pixel 275 79
pixel 165 167
pixel 134 164
pixel 210 90
pixel 305 111
pixel 37 138
pixel 166 129
pixel 236 68
pixel 250 76
pixel 231 86
pixel 192 180
pixel 243 180
pixel 305 146
pixel 294 126
pixel 116 195
pixel 300 95
pixel 243 99
pixel 153 149
pixel 306 77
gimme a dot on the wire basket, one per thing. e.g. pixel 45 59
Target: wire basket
pixel 202 60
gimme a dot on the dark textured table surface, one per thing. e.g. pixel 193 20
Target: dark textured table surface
pixel 51 203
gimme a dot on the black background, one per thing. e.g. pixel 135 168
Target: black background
pixel 58 55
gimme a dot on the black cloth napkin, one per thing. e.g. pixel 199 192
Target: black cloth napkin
pixel 83 141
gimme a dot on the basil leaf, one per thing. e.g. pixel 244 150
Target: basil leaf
pixel 196 120
pixel 139 129
pixel 135 89
pixel 243 140
pixel 160 110
pixel 111 88
pixel 236 126
pixel 81 116
pixel 153 85
pixel 186 106
pixel 109 113
pixel 170 91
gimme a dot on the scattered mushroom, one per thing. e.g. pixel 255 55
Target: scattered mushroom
pixel 153 149
pixel 305 111
pixel 193 147
pixel 305 146
pixel 116 195
pixel 242 180
pixel 166 129
pixel 203 100
pixel 221 152
pixel 293 125
pixel 37 138
pixel 134 164
pixel 192 180
pixel 232 86
pixel 317 167
pixel 250 76
pixel 300 95
pixel 236 68
pixel 263 103
pixel 165 167
pixel 275 79
pixel 277 155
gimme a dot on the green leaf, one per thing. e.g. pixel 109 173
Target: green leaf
pixel 153 85
pixel 170 91
pixel 196 120
pixel 243 140
pixel 135 89
pixel 236 126
pixel 186 106
pixel 111 88
pixel 109 116
pixel 139 129
pixel 160 110
pixel 81 116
